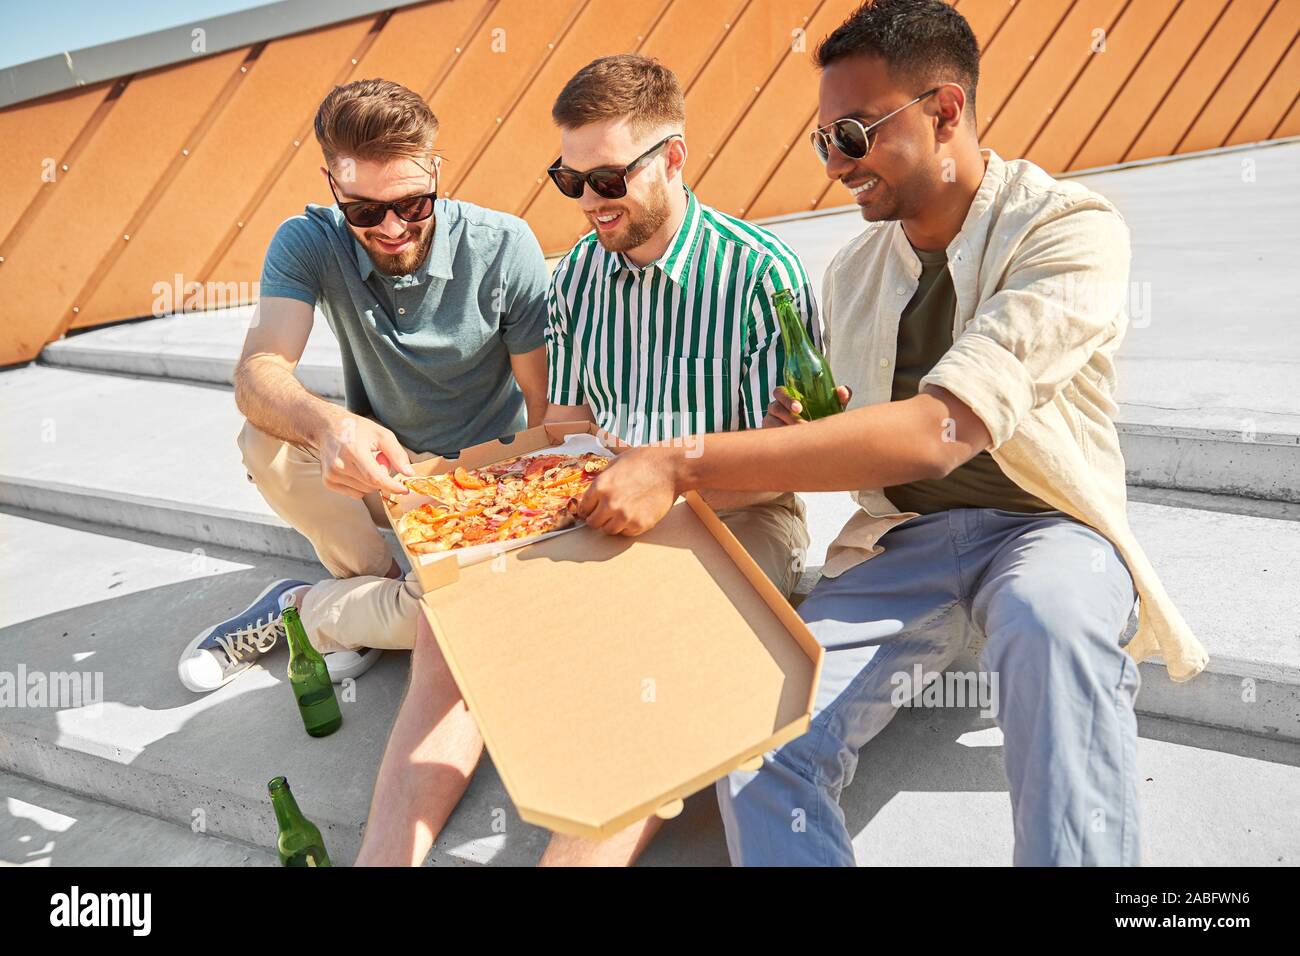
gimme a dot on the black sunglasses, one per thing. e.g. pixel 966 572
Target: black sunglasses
pixel 851 137
pixel 366 214
pixel 608 181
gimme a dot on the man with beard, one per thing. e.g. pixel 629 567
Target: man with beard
pixel 976 320
pixel 661 326
pixel 439 308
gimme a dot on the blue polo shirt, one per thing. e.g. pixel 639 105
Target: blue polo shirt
pixel 426 354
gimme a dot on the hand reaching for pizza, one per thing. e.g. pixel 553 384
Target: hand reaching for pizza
pixel 634 493
pixel 356 455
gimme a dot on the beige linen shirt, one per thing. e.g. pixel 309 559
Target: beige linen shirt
pixel 1041 271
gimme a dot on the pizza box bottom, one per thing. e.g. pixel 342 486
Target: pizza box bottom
pixel 612 677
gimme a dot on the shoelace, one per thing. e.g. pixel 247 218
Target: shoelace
pixel 258 637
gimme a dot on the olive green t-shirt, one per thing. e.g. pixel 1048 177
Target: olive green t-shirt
pixel 924 334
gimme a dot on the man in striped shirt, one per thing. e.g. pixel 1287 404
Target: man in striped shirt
pixel 661 324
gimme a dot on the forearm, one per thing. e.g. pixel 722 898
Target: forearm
pixel 529 369
pixel 873 447
pixel 720 500
pixel 569 413
pixel 274 401
pixel 536 410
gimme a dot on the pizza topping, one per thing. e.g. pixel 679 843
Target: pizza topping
pixel 517 498
pixel 465 479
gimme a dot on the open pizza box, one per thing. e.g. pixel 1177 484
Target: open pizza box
pixel 612 677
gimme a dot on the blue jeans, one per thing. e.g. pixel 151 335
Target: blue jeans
pixel 1052 596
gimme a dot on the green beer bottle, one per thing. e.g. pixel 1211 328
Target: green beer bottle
pixel 299 841
pixel 311 680
pixel 807 373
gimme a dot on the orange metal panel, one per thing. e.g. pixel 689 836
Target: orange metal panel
pixel 116 173
pixel 1199 79
pixel 985 17
pixel 36 138
pixel 744 108
pixel 799 181
pixel 416 43
pixel 1234 95
pixel 1290 124
pixel 1012 53
pixel 735 74
pixel 685 41
pixel 771 128
pixel 1176 75
pixel 1052 75
pixel 1272 102
pixel 1104 76
pixel 1145 90
pixel 680 41
pixel 221 174
pixel 513 44
pixel 505 173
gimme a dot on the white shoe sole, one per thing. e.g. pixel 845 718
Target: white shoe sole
pixel 362 663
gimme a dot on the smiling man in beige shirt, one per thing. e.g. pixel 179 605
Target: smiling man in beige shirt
pixel 975 322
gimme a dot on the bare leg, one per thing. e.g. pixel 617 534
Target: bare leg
pixel 431 753
pixel 621 849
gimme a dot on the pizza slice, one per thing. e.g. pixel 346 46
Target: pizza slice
pixel 517 498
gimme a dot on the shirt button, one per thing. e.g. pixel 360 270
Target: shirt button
pixel 884 363
pixel 401 312
pixel 901 291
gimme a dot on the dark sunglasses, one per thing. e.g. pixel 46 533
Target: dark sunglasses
pixel 852 138
pixel 608 181
pixel 367 214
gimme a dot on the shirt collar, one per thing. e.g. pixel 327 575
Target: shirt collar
pixel 985 196
pixel 436 264
pixel 677 258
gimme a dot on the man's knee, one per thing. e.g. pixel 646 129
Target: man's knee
pixel 1039 627
pixel 258 450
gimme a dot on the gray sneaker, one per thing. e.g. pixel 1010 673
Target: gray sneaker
pixel 224 651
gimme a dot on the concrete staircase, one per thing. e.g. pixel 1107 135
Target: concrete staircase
pixel 128 525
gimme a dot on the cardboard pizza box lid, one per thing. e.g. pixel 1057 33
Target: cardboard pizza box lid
pixel 613 677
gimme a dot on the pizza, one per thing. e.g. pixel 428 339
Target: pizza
pixel 517 498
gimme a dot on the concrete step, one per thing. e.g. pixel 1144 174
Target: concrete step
pixel 45 826
pixel 1238 443
pixel 194 347
pixel 177 472
pixel 136 770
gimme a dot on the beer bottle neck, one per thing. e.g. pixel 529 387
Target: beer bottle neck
pixel 792 327
pixel 287 814
pixel 299 646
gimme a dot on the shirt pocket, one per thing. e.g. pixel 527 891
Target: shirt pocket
pixel 696 397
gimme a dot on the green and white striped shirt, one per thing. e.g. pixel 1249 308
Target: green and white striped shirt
pixel 687 345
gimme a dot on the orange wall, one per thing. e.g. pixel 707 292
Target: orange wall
pixel 187 170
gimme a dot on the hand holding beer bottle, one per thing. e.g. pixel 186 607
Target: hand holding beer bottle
pixel 809 392
pixel 785 409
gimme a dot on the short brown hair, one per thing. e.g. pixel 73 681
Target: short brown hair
pixel 375 120
pixel 622 85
